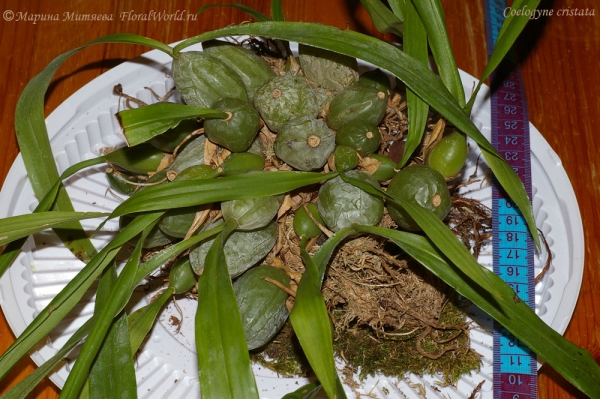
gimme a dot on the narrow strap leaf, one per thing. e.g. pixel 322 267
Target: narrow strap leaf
pixel 184 193
pixel 248 10
pixel 398 8
pixel 141 124
pixel 223 358
pixel 505 175
pixel 511 28
pixel 310 309
pixel 415 45
pixel 432 16
pixel 142 320
pixel 113 296
pixel 277 10
pixel 574 363
pixel 312 326
pixel 385 21
pixel 98 385
pixel 16 227
pixel 113 374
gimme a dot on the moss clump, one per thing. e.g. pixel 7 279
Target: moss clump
pixel 444 349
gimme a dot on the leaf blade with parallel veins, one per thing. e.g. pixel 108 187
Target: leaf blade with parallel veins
pixel 141 124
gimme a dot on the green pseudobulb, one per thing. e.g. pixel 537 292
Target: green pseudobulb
pixel 203 79
pixel 261 303
pixel 341 204
pixel 305 143
pixel 238 130
pixel 252 69
pixel 243 249
pixel 284 98
pixel 422 186
pixel 327 69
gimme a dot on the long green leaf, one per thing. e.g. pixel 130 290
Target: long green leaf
pixel 248 10
pixel 450 245
pixel 113 371
pixel 205 191
pixel 141 124
pixel 15 227
pixel 415 45
pixel 142 320
pixel 312 326
pixel 571 361
pixel 34 143
pixel 28 384
pixel 432 16
pixel 112 298
pixel 398 8
pixel 37 155
pixel 385 56
pixel 310 309
pixel 277 10
pixel 66 300
pixel 511 28
pixel 223 358
pixel 385 21
pixel 94 380
pixel 12 250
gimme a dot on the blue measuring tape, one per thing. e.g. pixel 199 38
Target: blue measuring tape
pixel 515 366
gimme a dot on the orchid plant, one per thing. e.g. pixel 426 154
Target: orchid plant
pixel 110 339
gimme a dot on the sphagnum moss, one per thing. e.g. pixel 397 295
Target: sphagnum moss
pixel 392 356
pixel 396 356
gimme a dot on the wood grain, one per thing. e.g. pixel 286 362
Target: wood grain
pixel 560 68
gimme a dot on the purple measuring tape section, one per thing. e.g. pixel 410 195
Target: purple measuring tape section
pixel 515 366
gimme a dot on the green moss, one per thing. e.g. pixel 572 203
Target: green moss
pixel 395 356
pixel 392 356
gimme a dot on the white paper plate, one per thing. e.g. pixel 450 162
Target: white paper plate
pixel 166 366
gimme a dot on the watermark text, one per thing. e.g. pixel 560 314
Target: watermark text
pixel 533 13
pixel 72 16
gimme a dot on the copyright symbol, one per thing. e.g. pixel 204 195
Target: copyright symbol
pixel 8 15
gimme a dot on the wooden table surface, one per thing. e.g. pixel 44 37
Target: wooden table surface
pixel 560 69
